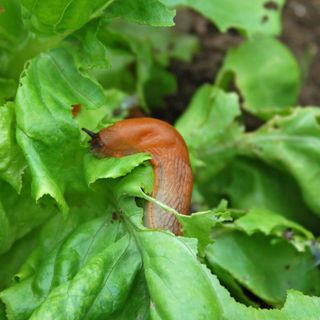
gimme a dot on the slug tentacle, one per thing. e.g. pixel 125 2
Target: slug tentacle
pixel 89 133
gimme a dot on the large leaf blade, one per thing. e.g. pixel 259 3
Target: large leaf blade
pixel 52 17
pixel 246 15
pixel 291 143
pixel 267 269
pixel 166 281
pixel 151 12
pixel 266 73
pixel 47 133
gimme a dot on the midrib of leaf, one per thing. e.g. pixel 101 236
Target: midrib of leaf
pixel 93 238
pixel 98 12
pixel 108 275
pixel 68 83
pixel 162 280
pixel 61 15
pixel 95 14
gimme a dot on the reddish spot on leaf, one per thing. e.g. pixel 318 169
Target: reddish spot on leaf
pixel 75 109
pixel 2 9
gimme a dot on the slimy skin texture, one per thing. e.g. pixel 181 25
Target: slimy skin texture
pixel 170 159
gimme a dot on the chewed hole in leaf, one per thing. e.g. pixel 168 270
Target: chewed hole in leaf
pixel 271 5
pixel 251 122
pixel 264 19
pixel 16 278
pixel 46 202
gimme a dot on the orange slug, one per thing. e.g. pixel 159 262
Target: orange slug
pixel 170 159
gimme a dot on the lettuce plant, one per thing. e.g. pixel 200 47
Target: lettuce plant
pixel 72 240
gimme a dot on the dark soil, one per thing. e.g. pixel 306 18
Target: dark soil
pixel 301 33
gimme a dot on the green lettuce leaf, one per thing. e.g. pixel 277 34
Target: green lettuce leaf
pixel 111 274
pixel 247 16
pixel 12 162
pixel 249 183
pixel 100 261
pixel 12 260
pixel 11 27
pixel 160 84
pixel 267 268
pixel 270 223
pixel 204 225
pixel 210 129
pixel 47 133
pixel 112 167
pixel 228 163
pixel 54 17
pixel 125 50
pixel 163 267
pixel 166 43
pixel 88 50
pixel 59 260
pixel 17 45
pixel 199 225
pixel 265 72
pixel 61 265
pixel 291 143
pixel 296 307
pixel 57 228
pixel 299 306
pixel 19 214
pixel 138 302
pixel 62 16
pixel 12 37
pixel 8 89
pixel 152 12
pixel 140 58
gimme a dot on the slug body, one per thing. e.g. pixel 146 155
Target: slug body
pixel 170 159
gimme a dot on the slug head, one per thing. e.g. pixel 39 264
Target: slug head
pixel 95 143
pixel 110 142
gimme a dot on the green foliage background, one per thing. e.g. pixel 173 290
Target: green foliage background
pixel 72 240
